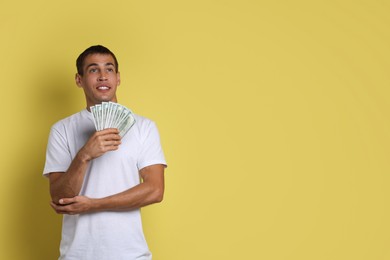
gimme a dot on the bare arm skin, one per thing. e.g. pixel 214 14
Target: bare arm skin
pixel 150 191
pixel 68 184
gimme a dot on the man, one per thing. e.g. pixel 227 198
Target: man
pixel 95 177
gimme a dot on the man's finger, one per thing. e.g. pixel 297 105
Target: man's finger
pixel 113 137
pixel 111 143
pixel 65 201
pixel 108 131
pixel 56 208
pixel 53 205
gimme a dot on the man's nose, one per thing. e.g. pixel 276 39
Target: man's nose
pixel 102 76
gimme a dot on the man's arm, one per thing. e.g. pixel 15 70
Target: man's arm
pixel 68 184
pixel 150 191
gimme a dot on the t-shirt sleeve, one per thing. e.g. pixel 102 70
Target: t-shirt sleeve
pixel 58 157
pixel 151 152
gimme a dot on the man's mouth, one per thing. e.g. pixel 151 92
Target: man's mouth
pixel 103 87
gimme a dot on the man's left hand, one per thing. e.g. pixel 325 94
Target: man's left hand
pixel 72 206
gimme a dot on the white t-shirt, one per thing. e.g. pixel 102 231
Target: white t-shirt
pixel 104 235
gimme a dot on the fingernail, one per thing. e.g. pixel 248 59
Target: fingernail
pixel 61 201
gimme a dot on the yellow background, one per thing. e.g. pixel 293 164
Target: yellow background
pixel 274 118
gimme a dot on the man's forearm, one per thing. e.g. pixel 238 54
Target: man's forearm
pixel 139 196
pixel 150 191
pixel 69 183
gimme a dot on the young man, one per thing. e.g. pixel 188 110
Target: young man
pixel 95 176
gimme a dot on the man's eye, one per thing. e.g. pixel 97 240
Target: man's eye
pixel 110 70
pixel 93 70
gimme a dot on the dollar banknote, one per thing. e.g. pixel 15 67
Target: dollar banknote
pixel 112 115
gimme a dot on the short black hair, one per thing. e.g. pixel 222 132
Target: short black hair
pixel 96 49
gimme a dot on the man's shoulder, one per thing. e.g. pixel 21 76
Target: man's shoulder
pixel 143 126
pixel 141 119
pixel 142 122
pixel 74 118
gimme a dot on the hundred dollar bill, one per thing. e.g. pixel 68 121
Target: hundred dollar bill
pixel 118 116
pixel 99 116
pixel 108 115
pixel 114 109
pixel 104 114
pixel 126 125
pixel 112 115
pixel 123 116
pixel 93 111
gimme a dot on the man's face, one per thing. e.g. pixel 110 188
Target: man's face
pixel 99 79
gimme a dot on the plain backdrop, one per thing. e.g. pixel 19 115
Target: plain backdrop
pixel 273 115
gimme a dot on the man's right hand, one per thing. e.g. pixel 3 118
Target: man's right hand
pixel 100 143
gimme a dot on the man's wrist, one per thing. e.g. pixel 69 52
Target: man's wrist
pixel 82 157
pixel 95 205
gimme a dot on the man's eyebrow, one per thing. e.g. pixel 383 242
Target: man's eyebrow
pixel 95 64
pixel 90 65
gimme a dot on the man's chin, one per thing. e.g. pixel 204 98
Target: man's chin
pixel 106 100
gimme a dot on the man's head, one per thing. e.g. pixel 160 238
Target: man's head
pixel 98 75
pixel 96 49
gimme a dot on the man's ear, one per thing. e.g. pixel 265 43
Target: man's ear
pixel 118 76
pixel 78 80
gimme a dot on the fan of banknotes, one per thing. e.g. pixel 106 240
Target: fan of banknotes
pixel 112 115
